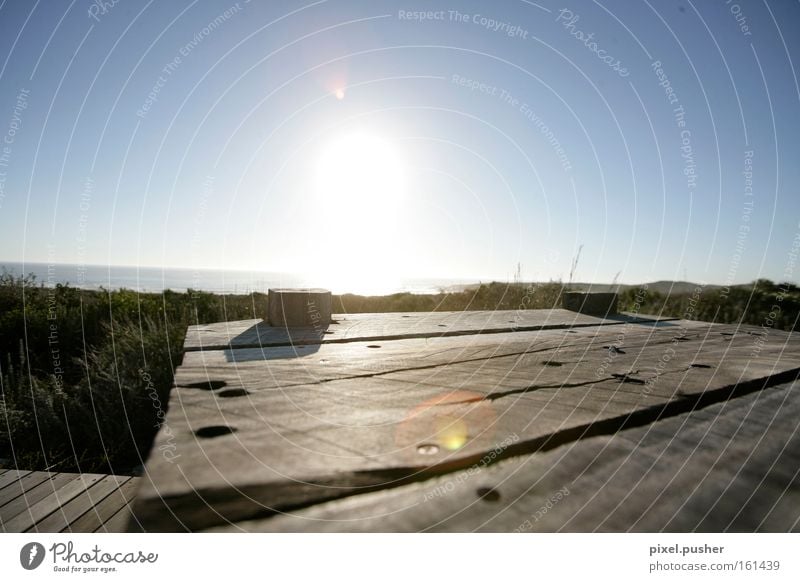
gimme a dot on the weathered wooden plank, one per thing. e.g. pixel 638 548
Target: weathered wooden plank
pixel 21 485
pixel 385 326
pixel 73 509
pixel 280 367
pixel 32 496
pixel 51 503
pixel 647 359
pixel 733 466
pixel 287 436
pixel 105 509
pixel 11 477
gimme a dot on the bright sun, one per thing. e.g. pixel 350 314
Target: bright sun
pixel 359 186
pixel 359 177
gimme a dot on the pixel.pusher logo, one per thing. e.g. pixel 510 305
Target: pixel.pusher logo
pixel 31 555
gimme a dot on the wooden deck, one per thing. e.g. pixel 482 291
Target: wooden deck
pixel 541 420
pixel 65 502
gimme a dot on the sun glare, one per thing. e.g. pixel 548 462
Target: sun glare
pixel 359 176
pixel 359 184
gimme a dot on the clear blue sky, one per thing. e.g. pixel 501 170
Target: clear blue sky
pixel 571 140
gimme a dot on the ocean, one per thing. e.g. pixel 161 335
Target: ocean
pixel 224 281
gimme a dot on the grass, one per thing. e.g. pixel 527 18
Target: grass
pixel 762 303
pixel 84 375
pixel 80 370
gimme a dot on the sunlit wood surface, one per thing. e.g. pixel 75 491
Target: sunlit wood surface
pixel 497 421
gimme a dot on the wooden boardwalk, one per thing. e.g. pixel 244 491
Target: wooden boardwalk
pixel 65 502
pixel 543 420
